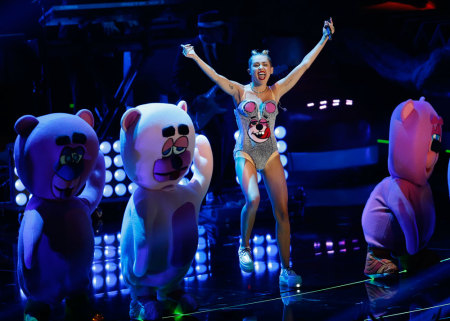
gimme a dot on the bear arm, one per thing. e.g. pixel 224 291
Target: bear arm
pixel 31 234
pixel 405 215
pixel 203 163
pixel 93 191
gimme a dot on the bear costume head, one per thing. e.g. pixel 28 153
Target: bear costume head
pixel 52 159
pixel 159 141
pixel 414 141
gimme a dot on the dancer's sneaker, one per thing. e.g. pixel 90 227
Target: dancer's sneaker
pixel 379 264
pixel 246 259
pixel 289 278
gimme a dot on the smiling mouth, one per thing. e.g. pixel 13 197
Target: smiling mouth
pixel 261 75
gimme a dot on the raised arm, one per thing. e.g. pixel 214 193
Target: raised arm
pixel 284 85
pixel 230 87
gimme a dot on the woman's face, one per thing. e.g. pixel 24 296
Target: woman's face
pixel 260 69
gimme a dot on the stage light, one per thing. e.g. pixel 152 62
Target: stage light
pixel 118 235
pixel 272 250
pixel 260 267
pixel 273 266
pixel 329 244
pixel 258 177
pixel 107 191
pixel 280 132
pixel 108 162
pixel 201 243
pixel 109 239
pixel 97 240
pixel 97 282
pixel 200 269
pixel 270 239
pixel 202 277
pixel 349 102
pixel 98 254
pixel 316 245
pixel 108 176
pixel 310 105
pixel 120 189
pixel 282 146
pixel 111 280
pixel 283 159
pixel 258 252
pixel 19 185
pixel 286 174
pixel 116 146
pixel 192 167
pixel 237 179
pixel 110 266
pixel 322 106
pixel 110 251
pixel 132 187
pixel 21 199
pixel 236 135
pixel 201 230
pixel 258 239
pixel 105 147
pixel 118 161
pixel 119 175
pixel 200 257
pixel 97 268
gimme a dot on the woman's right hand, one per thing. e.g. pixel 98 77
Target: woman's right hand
pixel 188 51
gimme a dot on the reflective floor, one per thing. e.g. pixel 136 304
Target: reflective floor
pixel 328 251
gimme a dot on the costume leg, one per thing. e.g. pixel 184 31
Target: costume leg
pixel 276 187
pixel 248 179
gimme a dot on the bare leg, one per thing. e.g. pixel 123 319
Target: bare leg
pixel 276 187
pixel 247 175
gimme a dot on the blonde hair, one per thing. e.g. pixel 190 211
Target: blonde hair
pixel 265 52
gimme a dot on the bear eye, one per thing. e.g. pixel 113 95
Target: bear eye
pixel 167 152
pixel 178 150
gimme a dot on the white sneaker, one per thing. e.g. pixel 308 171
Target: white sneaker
pixel 245 259
pixel 289 278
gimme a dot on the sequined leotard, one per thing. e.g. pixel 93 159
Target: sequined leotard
pixel 256 121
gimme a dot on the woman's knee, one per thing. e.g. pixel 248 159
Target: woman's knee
pixel 253 202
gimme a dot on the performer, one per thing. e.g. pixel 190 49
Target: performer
pixel 256 147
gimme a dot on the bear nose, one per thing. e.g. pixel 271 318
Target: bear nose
pixel 259 127
pixel 176 162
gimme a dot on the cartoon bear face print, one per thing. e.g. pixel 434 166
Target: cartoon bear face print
pixel 259 120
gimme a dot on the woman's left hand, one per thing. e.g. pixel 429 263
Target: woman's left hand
pixel 328 24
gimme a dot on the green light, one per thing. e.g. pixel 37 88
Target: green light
pixel 447 151
pixel 382 141
pixel 71 105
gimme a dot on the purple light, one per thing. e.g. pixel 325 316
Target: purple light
pixel 310 105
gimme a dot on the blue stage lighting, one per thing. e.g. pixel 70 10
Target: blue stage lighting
pixel 282 146
pixel 120 189
pixel 105 147
pixel 19 185
pixel 280 132
pixel 116 146
pixel 283 159
pixel 118 161
pixel 260 267
pixel 107 191
pixel 108 176
pixel 258 252
pixel 132 187
pixel 21 199
pixel 120 175
pixel 108 162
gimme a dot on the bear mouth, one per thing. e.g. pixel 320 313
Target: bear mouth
pixel 66 192
pixel 170 176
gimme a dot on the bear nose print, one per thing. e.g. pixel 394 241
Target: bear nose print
pixel 176 162
pixel 259 127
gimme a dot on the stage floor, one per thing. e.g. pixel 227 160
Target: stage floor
pixel 328 251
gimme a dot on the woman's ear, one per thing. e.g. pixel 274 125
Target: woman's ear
pixel 248 70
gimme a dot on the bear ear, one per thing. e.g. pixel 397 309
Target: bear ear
pixel 25 125
pixel 87 116
pixel 130 118
pixel 407 109
pixel 183 105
